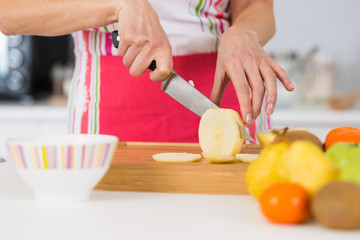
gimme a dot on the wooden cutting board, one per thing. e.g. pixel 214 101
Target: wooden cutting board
pixel 133 169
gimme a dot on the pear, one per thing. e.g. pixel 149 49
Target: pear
pixel 295 135
pixel 308 165
pixel 266 137
pixel 283 169
pixel 265 169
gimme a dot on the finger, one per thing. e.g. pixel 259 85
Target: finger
pixel 122 49
pixel 124 44
pixel 238 78
pixel 281 74
pixel 257 87
pixel 130 55
pixel 164 65
pixel 269 78
pixel 219 86
pixel 141 62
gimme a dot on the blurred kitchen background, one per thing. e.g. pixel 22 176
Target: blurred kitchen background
pixel 35 68
pixel 317 42
pixel 330 27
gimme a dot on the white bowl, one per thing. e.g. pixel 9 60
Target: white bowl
pixel 62 168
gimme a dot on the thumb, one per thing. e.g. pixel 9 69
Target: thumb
pixel 164 65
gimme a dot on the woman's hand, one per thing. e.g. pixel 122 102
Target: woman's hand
pixel 142 40
pixel 242 60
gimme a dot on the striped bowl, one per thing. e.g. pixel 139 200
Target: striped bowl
pixel 62 168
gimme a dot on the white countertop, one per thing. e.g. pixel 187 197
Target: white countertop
pixel 33 112
pixel 130 215
pixel 316 117
pixel 312 116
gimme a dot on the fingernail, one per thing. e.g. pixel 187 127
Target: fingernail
pixel 248 118
pixel 291 85
pixel 270 108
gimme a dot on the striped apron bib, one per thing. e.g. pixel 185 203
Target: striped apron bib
pixel 105 99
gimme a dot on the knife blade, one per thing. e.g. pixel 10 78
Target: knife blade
pixel 191 98
pixel 184 93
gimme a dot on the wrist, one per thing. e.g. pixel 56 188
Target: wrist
pixel 245 31
pixel 140 7
pixel 113 8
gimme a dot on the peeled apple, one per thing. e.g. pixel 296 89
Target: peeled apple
pixel 219 132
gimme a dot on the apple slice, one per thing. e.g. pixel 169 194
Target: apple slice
pixel 219 158
pixel 174 157
pixel 247 157
pixel 219 132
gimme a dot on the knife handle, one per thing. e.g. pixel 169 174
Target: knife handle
pixel 116 39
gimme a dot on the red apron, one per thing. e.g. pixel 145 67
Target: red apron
pixel 136 109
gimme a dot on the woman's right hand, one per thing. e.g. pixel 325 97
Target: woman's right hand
pixel 142 40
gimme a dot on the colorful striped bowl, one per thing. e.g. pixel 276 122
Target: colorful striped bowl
pixel 62 168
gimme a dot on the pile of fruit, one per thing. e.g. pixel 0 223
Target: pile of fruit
pixel 297 177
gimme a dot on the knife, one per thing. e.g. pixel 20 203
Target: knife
pixel 183 92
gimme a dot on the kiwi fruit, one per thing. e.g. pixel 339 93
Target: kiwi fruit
pixel 336 205
pixel 292 136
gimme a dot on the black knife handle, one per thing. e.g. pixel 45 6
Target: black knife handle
pixel 116 40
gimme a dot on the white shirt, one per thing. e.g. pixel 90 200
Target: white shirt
pixel 193 26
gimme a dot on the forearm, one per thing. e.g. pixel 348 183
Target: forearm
pixel 55 17
pixel 256 15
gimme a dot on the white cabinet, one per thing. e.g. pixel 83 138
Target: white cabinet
pixel 319 121
pixel 24 120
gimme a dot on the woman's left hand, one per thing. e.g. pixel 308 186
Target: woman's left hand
pixel 242 60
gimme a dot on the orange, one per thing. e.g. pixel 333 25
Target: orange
pixel 350 136
pixel 286 203
pixel 335 131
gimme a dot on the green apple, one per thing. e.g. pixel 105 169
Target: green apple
pixel 342 154
pixel 351 172
pixel 346 156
